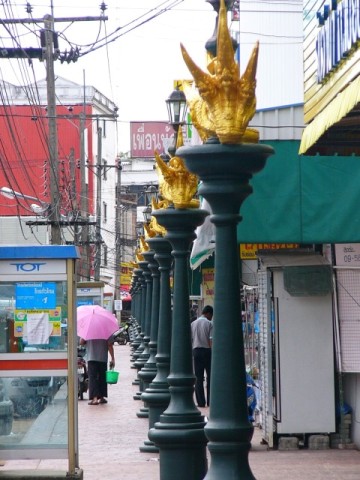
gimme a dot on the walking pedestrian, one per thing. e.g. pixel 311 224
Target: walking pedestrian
pixel 201 336
pixel 97 356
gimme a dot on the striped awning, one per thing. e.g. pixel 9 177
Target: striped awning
pixel 336 111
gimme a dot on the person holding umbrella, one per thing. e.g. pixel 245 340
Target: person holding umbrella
pixel 95 327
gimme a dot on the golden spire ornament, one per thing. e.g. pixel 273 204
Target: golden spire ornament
pixel 226 101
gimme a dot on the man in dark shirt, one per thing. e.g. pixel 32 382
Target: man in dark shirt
pixel 201 335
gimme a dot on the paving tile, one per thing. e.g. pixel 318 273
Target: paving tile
pixel 110 436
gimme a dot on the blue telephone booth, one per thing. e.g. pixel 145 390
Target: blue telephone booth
pixel 38 381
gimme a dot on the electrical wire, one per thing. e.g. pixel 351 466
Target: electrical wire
pixel 108 40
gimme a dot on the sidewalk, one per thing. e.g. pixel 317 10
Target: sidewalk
pixel 110 436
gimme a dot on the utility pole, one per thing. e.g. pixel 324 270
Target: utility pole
pixel 55 196
pixel 98 205
pixel 74 201
pixel 84 264
pixel 48 54
pixel 118 227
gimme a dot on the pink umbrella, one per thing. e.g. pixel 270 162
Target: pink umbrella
pixel 95 322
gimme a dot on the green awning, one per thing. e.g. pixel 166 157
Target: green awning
pixel 300 199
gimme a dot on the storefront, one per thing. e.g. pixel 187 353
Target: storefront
pixel 332 118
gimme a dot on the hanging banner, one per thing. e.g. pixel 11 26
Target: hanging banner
pixel 208 285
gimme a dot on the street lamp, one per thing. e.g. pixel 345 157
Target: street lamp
pixel 179 431
pixel 176 105
pixel 177 108
pixel 42 209
pixel 225 164
pixel 147 214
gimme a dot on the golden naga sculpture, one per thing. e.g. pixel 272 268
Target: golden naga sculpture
pixel 176 184
pixel 149 232
pixel 226 102
pixel 144 247
pixel 154 228
pixel 139 256
pixel 199 111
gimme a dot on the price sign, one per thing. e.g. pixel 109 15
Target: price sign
pixel 347 254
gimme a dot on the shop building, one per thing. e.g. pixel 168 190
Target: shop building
pixel 86 127
pixel 332 118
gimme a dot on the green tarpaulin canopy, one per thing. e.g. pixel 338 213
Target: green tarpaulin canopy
pixel 300 199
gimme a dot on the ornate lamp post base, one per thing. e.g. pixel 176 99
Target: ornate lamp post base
pixel 225 171
pixel 179 434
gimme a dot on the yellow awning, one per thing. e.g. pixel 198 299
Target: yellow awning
pixel 336 110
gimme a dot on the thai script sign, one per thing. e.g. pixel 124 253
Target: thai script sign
pixel 145 137
pixel 248 251
pixel 36 295
pixel 339 33
pixel 208 285
pixel 37 325
pixel 126 272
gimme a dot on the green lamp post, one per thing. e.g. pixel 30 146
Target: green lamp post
pixel 225 164
pixel 148 369
pixel 137 295
pixel 146 314
pixel 225 171
pixel 146 309
pixel 157 395
pixel 179 434
pixel 135 309
pixel 140 311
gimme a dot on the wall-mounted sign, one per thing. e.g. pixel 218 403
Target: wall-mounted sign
pixel 117 305
pixel 35 295
pixel 331 77
pixel 339 33
pixel 36 326
pixel 145 137
pixel 347 254
pixel 248 251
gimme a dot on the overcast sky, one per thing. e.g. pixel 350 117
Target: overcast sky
pixel 138 68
